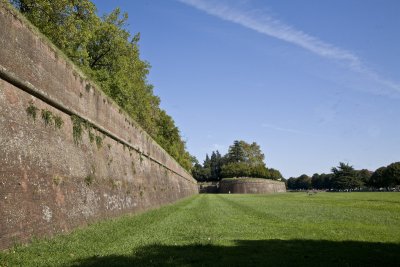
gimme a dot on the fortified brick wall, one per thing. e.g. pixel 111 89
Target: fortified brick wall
pixel 52 178
pixel 251 186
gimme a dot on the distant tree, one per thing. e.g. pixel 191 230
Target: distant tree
pixel 235 169
pixel 242 160
pixel 327 180
pixel 207 168
pixel 345 177
pixel 317 181
pixel 252 154
pixel 197 172
pixel 303 182
pixel 378 178
pixel 215 165
pixel 392 174
pixel 274 174
pixel 364 175
pixel 242 169
pixel 236 152
pixel 291 183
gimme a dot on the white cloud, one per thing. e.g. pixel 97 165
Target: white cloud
pixel 282 129
pixel 265 24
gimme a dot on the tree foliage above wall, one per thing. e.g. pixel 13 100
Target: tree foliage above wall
pixel 242 160
pixel 107 53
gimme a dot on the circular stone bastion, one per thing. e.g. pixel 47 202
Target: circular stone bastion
pixel 250 186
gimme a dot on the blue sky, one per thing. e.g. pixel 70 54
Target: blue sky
pixel 313 82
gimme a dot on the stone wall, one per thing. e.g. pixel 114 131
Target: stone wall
pixel 251 186
pixel 208 187
pixel 51 182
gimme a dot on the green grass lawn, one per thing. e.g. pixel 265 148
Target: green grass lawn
pixel 291 229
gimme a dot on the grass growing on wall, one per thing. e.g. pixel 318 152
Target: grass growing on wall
pixel 292 229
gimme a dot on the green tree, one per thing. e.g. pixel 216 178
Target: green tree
pixel 364 175
pixel 274 174
pixel 392 174
pixel 242 151
pixel 215 165
pixel 252 154
pixel 303 182
pixel 236 152
pixel 68 24
pixel 317 181
pixel 378 178
pixel 242 160
pixel 345 177
pixel 291 183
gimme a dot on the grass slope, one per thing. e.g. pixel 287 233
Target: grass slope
pixel 292 229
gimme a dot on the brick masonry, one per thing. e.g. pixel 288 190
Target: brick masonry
pixel 48 183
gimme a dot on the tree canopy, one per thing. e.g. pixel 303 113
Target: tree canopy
pixel 242 160
pixel 105 50
pixel 345 177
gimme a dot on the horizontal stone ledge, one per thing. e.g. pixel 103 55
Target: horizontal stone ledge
pixel 32 90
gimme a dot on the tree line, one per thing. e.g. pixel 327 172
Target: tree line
pixel 345 177
pixel 242 160
pixel 107 53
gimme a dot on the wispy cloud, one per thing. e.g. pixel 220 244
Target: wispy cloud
pixel 282 129
pixel 268 25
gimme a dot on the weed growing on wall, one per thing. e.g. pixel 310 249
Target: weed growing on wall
pixel 58 121
pixel 91 136
pixel 31 111
pixel 99 141
pixel 89 179
pixel 47 117
pixel 77 128
pixel 115 184
pixel 57 179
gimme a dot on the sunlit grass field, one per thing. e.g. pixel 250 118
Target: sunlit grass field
pixel 290 229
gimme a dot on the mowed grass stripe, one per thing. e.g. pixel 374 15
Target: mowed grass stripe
pixel 291 229
pixel 346 217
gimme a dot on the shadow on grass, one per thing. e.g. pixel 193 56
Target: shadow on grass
pixel 258 253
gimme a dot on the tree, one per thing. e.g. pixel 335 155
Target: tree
pixel 68 24
pixel 236 152
pixel 197 171
pixel 377 178
pixel 291 183
pixel 242 151
pixel 317 181
pixel 274 174
pixel 253 154
pixel 345 177
pixel 327 180
pixel 303 182
pixel 215 165
pixel 392 174
pixel 242 160
pixel 364 175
